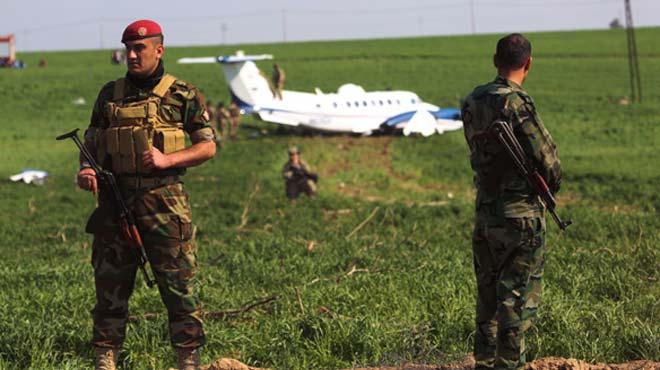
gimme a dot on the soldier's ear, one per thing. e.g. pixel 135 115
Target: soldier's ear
pixel 528 64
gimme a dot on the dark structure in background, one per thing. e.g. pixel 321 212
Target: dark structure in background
pixel 635 80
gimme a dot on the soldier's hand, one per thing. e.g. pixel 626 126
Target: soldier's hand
pixel 87 180
pixel 155 159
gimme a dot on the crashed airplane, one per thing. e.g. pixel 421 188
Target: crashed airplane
pixel 350 110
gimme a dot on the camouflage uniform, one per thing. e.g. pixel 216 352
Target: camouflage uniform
pixel 296 181
pixel 509 232
pixel 223 120
pixel 162 210
pixel 234 118
pixel 277 81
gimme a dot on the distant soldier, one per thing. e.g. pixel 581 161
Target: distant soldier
pixel 222 118
pixel 210 110
pixel 509 232
pixel 118 57
pixel 235 119
pixel 278 79
pixel 137 131
pixel 298 177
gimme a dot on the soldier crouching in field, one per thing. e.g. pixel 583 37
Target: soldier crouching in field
pixel 509 232
pixel 297 176
pixel 137 131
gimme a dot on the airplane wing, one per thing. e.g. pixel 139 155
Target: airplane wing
pixel 225 59
pixel 198 60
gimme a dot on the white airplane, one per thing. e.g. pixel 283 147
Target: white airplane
pixel 349 110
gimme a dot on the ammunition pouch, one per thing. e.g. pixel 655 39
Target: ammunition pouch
pixel 137 127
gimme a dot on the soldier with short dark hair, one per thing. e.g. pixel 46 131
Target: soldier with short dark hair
pixel 509 232
pixel 137 131
pixel 298 177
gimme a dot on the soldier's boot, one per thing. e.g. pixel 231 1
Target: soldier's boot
pixel 188 358
pixel 105 358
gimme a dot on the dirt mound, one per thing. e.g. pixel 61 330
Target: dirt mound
pixel 558 363
pixel 548 363
pixel 228 364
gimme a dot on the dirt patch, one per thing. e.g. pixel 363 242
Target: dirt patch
pixel 547 363
pixel 558 363
pixel 228 364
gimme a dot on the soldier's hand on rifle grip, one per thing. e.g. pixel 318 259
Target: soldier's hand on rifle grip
pixel 87 180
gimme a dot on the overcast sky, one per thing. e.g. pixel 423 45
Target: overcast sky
pixel 94 24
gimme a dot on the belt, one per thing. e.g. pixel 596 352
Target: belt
pixel 140 182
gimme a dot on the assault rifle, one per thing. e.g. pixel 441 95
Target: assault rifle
pixel 304 174
pixel 126 218
pixel 505 135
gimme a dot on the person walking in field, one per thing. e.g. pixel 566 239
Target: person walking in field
pixel 278 79
pixel 137 132
pixel 234 118
pixel 509 231
pixel 223 119
pixel 298 177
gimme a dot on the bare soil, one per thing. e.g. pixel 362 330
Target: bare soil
pixel 547 363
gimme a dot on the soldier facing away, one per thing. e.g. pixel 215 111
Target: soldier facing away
pixel 509 232
pixel 297 176
pixel 137 131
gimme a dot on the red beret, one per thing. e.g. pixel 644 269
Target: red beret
pixel 141 29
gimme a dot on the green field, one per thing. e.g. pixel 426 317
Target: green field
pixel 400 288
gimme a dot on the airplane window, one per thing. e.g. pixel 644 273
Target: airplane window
pixel 348 103
pixel 357 103
pixel 412 101
pixel 398 101
pixel 389 101
pixel 334 105
pixel 373 102
pixel 364 103
pixel 381 102
pixel 318 105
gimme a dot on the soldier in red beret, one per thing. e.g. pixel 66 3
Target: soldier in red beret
pixel 137 131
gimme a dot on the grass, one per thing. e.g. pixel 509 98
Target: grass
pixel 410 296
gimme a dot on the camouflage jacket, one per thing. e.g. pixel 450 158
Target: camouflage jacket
pixel 294 173
pixel 500 188
pixel 184 103
pixel 155 209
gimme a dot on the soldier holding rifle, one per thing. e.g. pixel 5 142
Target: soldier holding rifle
pixel 503 130
pixel 297 176
pixel 137 132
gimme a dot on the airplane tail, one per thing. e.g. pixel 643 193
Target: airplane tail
pixel 248 86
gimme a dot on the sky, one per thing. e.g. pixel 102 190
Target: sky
pixel 98 24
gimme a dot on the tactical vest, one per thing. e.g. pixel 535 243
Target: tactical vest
pixel 136 127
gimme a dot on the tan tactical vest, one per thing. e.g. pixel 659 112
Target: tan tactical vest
pixel 137 127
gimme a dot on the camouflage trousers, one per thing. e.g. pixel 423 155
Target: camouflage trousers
pixel 508 264
pixel 296 187
pixel 164 220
